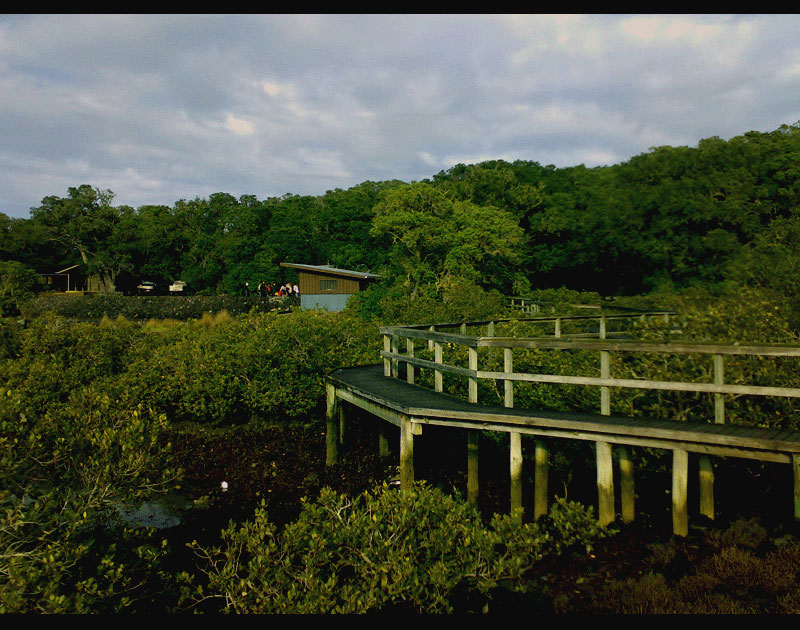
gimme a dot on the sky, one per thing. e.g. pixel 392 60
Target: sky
pixel 159 108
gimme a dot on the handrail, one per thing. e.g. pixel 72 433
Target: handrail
pixel 437 340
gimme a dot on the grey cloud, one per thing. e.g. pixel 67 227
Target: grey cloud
pixel 139 104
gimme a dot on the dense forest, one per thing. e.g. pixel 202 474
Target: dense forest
pixel 215 401
pixel 725 211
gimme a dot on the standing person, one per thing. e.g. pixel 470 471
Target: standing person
pixel 247 289
pixel 296 291
pixel 262 289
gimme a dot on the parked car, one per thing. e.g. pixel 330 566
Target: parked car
pixel 146 288
pixel 177 288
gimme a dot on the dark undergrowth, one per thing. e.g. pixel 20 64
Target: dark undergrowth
pixel 745 561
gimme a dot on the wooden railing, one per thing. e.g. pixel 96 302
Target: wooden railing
pixel 437 338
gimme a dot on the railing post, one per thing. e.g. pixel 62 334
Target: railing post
pixel 719 399
pixel 515 437
pixel 557 331
pixel 473 380
pixel 605 470
pixel 437 374
pixel 508 385
pixel 387 363
pixel 706 470
pixel 395 361
pixel 409 366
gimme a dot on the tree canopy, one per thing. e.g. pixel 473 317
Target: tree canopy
pixel 669 217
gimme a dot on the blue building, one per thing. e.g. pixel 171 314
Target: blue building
pixel 326 287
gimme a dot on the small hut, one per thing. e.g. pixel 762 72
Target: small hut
pixel 74 279
pixel 322 286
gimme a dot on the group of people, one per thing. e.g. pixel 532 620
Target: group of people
pixel 266 289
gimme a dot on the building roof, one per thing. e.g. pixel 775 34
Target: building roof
pixel 333 271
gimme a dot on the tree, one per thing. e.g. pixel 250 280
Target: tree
pixel 83 223
pixel 432 239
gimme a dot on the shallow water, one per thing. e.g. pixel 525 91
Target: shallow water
pixel 161 513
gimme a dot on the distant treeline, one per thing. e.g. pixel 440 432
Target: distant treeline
pixel 725 211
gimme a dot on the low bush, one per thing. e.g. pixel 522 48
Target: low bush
pixel 63 472
pixel 144 307
pixel 416 551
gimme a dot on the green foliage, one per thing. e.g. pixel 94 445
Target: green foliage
pixel 16 285
pixel 415 551
pixel 63 472
pixel 771 261
pixel 216 369
pixel 458 300
pixel 433 239
pixel 95 307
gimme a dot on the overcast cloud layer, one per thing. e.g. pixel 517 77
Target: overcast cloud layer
pixel 162 108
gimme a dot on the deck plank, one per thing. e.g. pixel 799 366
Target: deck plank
pixel 420 402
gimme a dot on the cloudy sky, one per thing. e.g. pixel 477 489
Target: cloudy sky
pixel 162 108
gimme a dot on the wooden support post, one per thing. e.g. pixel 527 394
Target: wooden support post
pixel 341 423
pixel 706 487
pixel 473 381
pixel 680 483
pixel 626 485
pixel 516 470
pixel 387 363
pixel 409 366
pixel 463 328
pixel 540 479
pixel 490 329
pixel 602 331
pixel 383 439
pixel 430 341
pixel 406 453
pixel 796 470
pixel 557 331
pixel 332 434
pixel 508 386
pixel 437 374
pixel 605 484
pixel 472 466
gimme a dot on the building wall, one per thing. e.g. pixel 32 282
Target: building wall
pixel 326 284
pixel 328 302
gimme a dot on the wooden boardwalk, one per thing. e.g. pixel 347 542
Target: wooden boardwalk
pixel 411 407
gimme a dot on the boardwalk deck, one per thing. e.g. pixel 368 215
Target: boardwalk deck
pixel 411 407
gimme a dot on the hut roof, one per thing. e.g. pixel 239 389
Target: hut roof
pixel 327 269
